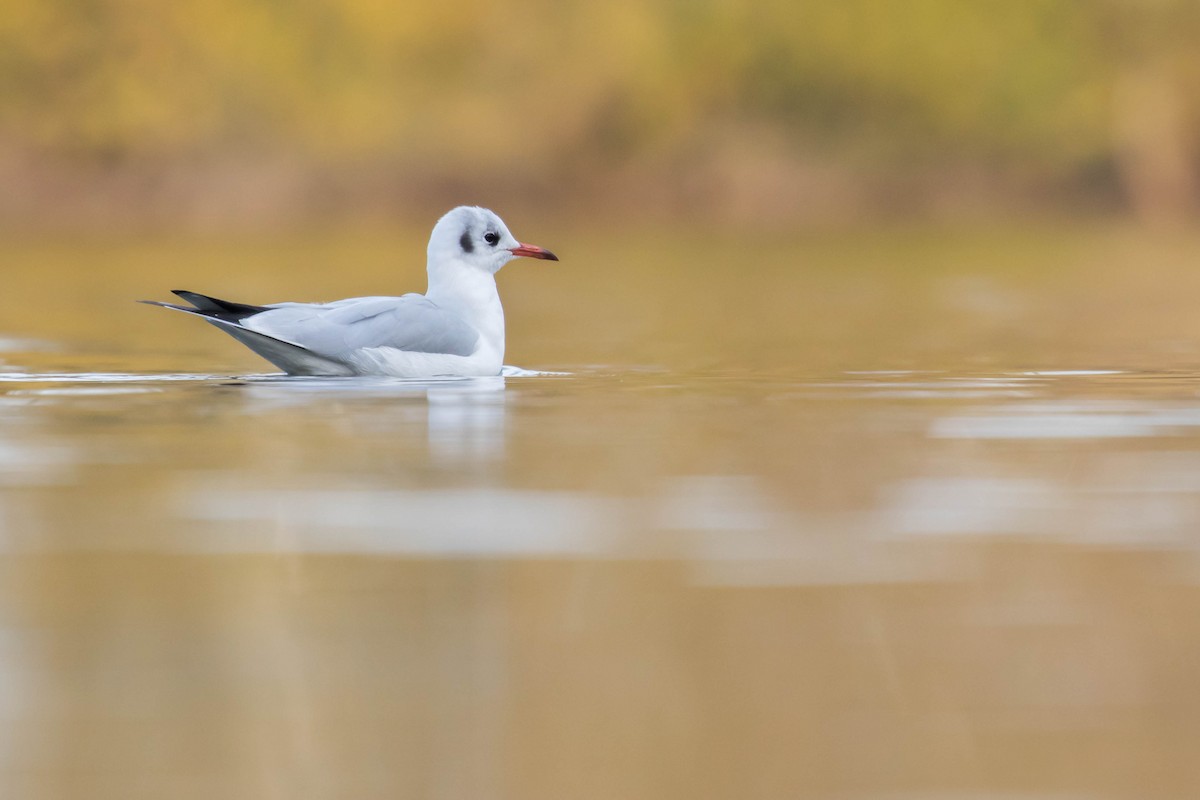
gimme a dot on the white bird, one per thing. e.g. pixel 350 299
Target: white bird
pixel 455 328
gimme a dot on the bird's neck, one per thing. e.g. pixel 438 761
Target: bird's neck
pixel 471 294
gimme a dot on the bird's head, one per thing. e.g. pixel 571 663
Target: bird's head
pixel 475 237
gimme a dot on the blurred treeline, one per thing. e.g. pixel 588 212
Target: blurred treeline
pixel 267 111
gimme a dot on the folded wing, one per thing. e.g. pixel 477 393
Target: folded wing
pixel 334 330
pixel 320 339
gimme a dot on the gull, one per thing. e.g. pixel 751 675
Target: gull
pixel 455 329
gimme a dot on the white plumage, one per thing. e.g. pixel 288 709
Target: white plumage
pixel 455 328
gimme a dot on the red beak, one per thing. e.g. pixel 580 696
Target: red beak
pixel 533 251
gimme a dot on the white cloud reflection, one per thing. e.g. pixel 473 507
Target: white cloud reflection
pixel 448 523
pixel 1066 419
pixel 730 527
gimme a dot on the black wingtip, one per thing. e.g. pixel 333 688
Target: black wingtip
pixel 225 309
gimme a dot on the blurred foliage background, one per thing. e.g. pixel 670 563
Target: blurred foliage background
pixel 262 113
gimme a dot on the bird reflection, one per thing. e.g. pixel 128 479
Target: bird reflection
pixel 464 418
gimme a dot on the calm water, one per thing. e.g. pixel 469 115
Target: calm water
pixel 908 515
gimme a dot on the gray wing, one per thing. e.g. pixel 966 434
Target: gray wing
pixel 334 330
pixel 291 358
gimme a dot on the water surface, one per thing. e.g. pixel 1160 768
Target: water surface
pixel 907 514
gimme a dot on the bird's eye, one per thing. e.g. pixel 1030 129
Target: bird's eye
pixel 491 237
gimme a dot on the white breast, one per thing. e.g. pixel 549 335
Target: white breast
pixel 402 364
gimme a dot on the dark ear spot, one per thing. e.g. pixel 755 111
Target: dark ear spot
pixel 466 243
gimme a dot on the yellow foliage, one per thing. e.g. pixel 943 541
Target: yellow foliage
pixel 479 85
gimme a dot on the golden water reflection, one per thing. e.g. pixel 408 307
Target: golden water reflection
pixel 397 590
pixel 874 537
